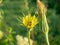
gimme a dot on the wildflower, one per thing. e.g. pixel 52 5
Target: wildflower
pixel 1 34
pixel 29 21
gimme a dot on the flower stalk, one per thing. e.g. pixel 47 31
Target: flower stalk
pixel 45 28
pixel 29 37
pixel 47 40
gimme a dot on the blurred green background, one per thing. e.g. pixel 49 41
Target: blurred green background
pixel 12 9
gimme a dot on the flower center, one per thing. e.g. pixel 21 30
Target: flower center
pixel 29 23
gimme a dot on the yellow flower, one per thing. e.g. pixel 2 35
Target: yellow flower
pixel 1 34
pixel 29 21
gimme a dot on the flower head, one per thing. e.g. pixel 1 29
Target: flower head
pixel 29 21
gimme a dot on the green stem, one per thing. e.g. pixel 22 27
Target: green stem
pixel 47 39
pixel 29 37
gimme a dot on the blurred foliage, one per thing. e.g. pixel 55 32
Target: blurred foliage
pixel 12 9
